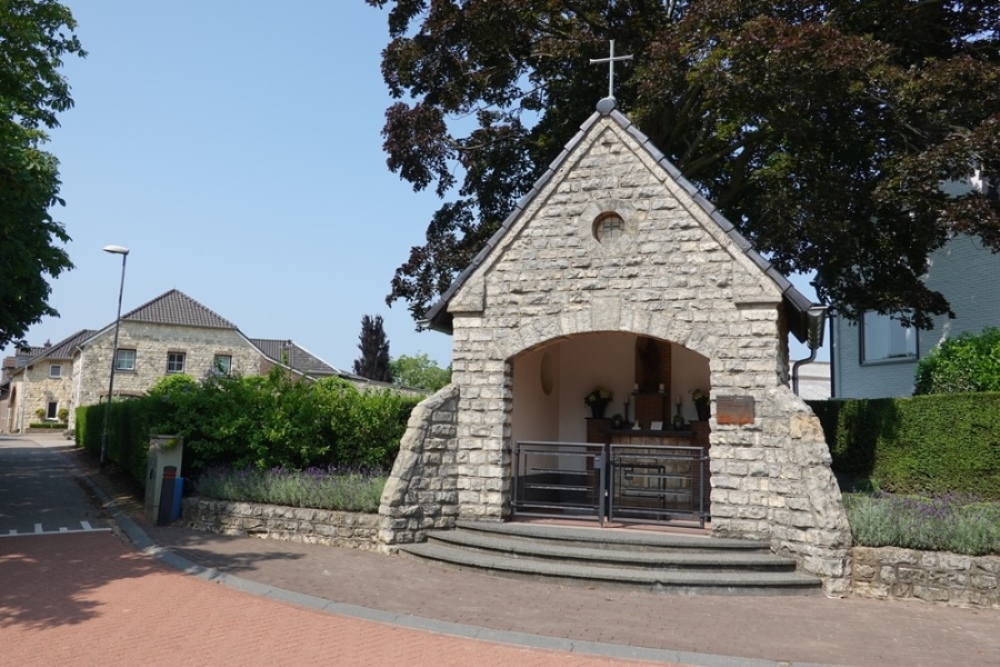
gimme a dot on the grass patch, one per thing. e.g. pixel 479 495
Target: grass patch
pixel 958 523
pixel 331 488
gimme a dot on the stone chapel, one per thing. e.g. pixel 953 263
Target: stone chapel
pixel 615 275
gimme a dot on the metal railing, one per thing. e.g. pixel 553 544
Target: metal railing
pixel 657 483
pixel 653 483
pixel 559 479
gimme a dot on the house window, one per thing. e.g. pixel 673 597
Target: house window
pixel 52 410
pixel 886 339
pixel 609 227
pixel 55 371
pixel 222 364
pixel 175 362
pixel 125 360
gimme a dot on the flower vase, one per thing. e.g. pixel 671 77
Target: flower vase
pixel 704 411
pixel 597 409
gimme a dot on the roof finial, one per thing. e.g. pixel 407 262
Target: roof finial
pixel 610 60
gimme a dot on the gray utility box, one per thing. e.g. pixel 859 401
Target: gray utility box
pixel 164 450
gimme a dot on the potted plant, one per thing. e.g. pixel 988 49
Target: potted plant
pixel 701 404
pixel 598 400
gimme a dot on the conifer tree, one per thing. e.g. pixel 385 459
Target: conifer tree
pixel 374 345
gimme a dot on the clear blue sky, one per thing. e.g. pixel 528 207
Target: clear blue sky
pixel 235 148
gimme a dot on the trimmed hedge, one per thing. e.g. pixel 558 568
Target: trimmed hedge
pixel 943 443
pixel 128 434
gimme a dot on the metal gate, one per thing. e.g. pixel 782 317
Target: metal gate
pixel 650 483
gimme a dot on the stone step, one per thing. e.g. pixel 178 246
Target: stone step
pixel 610 538
pixel 616 556
pixel 687 581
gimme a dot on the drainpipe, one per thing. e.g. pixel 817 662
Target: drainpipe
pixel 817 326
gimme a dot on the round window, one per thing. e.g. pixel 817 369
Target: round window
pixel 609 227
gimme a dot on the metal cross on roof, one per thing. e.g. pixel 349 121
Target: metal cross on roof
pixel 610 60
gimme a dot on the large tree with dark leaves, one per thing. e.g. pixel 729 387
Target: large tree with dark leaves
pixel 823 130
pixel 34 36
pixel 374 360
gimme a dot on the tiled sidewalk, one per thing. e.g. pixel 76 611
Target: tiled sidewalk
pixel 703 630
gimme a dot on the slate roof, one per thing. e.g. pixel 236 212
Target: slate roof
pixel 440 319
pixel 64 348
pixel 288 353
pixel 61 350
pixel 176 307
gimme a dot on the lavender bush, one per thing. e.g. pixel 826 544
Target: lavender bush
pixel 956 523
pixel 330 488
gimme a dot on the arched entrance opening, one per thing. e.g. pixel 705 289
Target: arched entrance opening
pixel 606 426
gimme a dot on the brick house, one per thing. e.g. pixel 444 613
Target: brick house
pixel 615 272
pixel 172 333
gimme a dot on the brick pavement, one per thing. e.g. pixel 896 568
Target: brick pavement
pixel 89 599
pixel 850 631
pixel 691 629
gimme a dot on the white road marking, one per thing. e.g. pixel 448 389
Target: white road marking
pixel 86 527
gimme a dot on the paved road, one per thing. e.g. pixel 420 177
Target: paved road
pixel 38 492
pixel 75 593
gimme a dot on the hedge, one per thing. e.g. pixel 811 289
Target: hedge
pixel 128 434
pixel 264 422
pixel 937 444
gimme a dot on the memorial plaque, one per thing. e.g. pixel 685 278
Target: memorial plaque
pixel 734 409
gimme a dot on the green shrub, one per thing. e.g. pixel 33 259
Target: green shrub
pixel 329 488
pixel 921 445
pixel 944 523
pixel 262 422
pixel 967 363
pixel 277 420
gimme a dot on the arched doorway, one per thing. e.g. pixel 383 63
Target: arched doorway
pixel 645 458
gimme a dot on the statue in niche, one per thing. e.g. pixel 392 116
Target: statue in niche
pixel 647 365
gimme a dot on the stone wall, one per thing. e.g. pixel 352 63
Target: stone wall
pixel 295 524
pixel 938 577
pixel 773 481
pixel 423 488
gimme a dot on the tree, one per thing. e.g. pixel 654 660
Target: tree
pixel 374 360
pixel 34 37
pixel 419 372
pixel 822 130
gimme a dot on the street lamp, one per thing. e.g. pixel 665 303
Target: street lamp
pixel 114 250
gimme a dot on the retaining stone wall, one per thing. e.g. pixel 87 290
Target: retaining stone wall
pixel 422 491
pixel 295 524
pixel 937 577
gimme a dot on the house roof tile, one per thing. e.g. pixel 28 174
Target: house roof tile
pixel 175 307
pixel 289 353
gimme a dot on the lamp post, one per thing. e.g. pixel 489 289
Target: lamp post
pixel 114 250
